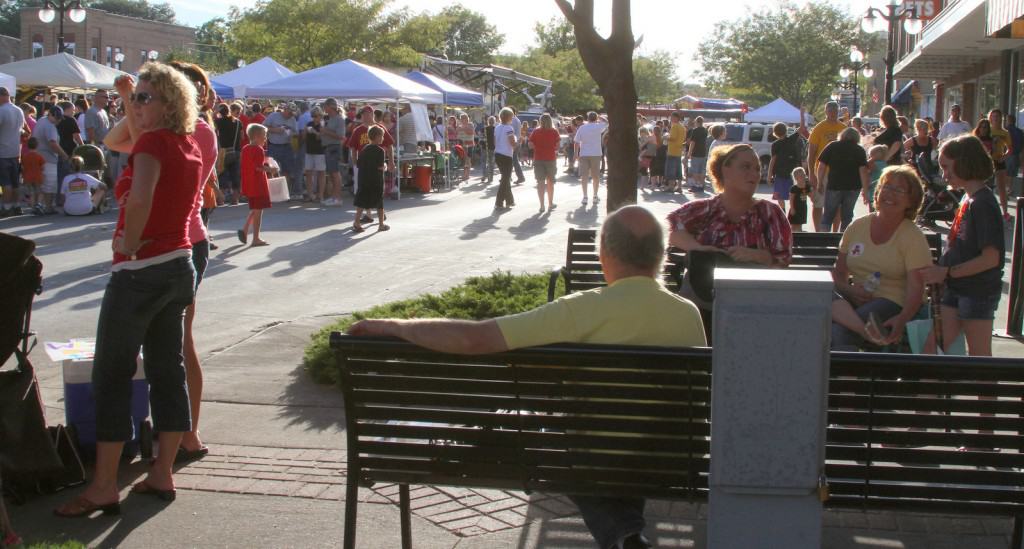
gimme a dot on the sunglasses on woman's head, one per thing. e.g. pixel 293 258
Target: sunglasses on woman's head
pixel 142 98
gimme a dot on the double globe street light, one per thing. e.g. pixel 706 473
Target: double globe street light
pixel 56 10
pixel 855 67
pixel 886 19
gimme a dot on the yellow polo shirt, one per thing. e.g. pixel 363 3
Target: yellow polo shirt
pixel 633 311
pixel 676 139
pixel 823 134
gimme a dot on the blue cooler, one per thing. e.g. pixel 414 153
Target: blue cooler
pixel 80 408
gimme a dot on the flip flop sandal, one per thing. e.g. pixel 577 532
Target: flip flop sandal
pixel 144 488
pixel 83 507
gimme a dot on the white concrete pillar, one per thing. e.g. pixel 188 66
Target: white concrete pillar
pixel 768 407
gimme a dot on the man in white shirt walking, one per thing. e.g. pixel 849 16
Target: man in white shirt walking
pixel 587 144
pixel 954 126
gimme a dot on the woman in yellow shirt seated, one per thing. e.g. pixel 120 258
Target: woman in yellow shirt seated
pixel 877 256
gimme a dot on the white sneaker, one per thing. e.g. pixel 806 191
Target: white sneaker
pixel 584 202
pixel 597 199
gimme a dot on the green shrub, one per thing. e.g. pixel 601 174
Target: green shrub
pixel 478 298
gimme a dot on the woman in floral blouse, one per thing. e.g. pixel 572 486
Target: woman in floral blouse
pixel 734 222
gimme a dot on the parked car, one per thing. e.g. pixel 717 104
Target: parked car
pixel 758 136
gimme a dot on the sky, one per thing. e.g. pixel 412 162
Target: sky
pixel 675 26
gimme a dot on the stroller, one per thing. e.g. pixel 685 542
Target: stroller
pixel 29 456
pixel 940 202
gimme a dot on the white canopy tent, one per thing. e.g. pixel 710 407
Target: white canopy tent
pixel 9 82
pixel 254 74
pixel 351 80
pixel 777 111
pixel 62 70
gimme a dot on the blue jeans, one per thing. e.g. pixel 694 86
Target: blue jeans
pixel 517 166
pixel 844 339
pixel 842 202
pixel 488 171
pixel 285 157
pixel 143 308
pixel 611 519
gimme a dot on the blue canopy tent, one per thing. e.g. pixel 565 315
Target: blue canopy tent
pixel 453 95
pixel 223 90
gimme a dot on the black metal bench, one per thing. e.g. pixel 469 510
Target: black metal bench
pixel 579 419
pixel 910 432
pixel 594 419
pixel 582 269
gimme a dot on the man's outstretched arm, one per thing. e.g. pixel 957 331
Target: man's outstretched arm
pixel 465 337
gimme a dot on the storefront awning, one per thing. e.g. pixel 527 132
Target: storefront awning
pixel 906 94
pixel 953 42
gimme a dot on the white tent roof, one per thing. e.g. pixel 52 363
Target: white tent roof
pixel 349 80
pixel 9 82
pixel 62 70
pixel 254 74
pixel 777 111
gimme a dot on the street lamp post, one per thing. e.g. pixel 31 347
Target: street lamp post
pixel 877 20
pixel 856 67
pixel 55 10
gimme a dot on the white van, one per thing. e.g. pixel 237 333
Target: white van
pixel 759 136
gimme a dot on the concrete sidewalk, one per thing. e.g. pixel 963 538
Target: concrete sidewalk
pixel 276 475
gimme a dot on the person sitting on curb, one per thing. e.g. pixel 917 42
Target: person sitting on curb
pixel 631 310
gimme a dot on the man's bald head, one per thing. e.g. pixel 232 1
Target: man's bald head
pixel 633 238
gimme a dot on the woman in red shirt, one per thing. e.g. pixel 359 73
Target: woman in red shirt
pixel 544 142
pixel 151 285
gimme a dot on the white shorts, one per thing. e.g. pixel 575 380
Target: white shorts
pixel 315 162
pixel 49 185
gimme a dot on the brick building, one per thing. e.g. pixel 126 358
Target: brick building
pixel 10 49
pixel 969 54
pixel 101 36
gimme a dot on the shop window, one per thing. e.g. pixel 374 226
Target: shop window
pixel 94 54
pixel 37 46
pixel 110 56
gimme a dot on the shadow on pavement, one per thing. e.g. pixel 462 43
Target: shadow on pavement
pixel 479 226
pixel 310 405
pixel 583 216
pixel 304 253
pixel 34 521
pixel 531 226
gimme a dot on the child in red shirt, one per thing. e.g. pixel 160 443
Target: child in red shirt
pixel 32 172
pixel 254 182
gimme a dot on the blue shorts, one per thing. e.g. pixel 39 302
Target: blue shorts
pixel 781 186
pixel 673 168
pixel 971 307
pixel 332 158
pixel 698 165
pixel 10 169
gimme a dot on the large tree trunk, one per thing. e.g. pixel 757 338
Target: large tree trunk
pixel 610 62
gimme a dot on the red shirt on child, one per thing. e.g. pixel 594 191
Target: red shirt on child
pixel 254 179
pixel 32 167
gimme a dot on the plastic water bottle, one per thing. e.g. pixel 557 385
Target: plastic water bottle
pixel 872 282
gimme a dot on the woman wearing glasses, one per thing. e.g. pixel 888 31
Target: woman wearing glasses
pixel 151 284
pixel 874 269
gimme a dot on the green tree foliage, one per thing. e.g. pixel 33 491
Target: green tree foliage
pixel 305 34
pixel 469 37
pixel 654 76
pixel 573 88
pixel 788 52
pixel 555 36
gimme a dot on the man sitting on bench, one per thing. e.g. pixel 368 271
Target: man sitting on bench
pixel 634 309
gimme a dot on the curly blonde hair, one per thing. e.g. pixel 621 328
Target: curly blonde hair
pixel 177 93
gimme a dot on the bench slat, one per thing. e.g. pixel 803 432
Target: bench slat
pixel 957 403
pixel 966 477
